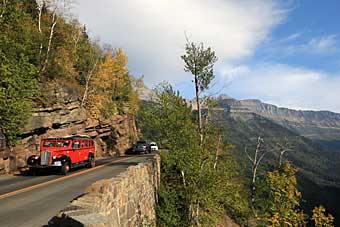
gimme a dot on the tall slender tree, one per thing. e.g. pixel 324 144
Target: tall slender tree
pixel 200 62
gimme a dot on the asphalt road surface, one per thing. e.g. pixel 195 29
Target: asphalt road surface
pixel 33 201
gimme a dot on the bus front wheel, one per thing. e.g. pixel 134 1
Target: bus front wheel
pixel 65 168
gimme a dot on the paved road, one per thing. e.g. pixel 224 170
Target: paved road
pixel 32 201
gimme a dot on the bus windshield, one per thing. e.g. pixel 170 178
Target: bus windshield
pixel 50 143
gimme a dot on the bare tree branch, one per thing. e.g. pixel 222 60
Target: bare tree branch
pixel 212 94
pixel 259 154
pixel 245 150
pixel 281 148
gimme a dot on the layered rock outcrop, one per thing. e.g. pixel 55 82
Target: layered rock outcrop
pixel 113 136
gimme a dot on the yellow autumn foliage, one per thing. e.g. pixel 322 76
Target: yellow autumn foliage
pixel 111 88
pixel 320 219
pixel 284 209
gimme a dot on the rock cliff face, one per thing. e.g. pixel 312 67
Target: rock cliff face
pixel 113 136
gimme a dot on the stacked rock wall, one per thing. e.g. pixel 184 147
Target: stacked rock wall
pixel 127 200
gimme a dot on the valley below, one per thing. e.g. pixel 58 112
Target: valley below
pixel 312 138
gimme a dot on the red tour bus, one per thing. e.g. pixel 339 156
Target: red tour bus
pixel 64 153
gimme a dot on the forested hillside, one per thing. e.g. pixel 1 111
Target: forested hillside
pixel 318 169
pixel 50 66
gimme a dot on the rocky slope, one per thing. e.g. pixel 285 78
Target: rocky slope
pixel 113 136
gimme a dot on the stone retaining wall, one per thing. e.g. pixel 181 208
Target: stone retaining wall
pixel 127 200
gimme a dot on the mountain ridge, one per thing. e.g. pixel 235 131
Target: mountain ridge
pixel 316 125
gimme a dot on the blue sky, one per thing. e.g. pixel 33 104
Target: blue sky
pixel 306 21
pixel 282 52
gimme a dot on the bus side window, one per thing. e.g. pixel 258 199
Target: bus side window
pixel 87 143
pixel 75 145
pixel 66 143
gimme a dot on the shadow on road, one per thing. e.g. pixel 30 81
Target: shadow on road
pixel 63 222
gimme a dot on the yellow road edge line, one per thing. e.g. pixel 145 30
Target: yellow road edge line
pixel 19 191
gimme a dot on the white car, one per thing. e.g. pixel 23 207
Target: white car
pixel 153 146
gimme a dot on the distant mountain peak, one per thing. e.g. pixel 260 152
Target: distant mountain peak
pixel 144 93
pixel 224 96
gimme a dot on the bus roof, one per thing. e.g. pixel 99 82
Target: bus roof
pixel 73 137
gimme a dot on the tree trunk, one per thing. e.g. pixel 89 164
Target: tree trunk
pixel 253 186
pixel 256 163
pixel 87 83
pixel 54 23
pixel 199 111
pixel 217 151
pixel 281 157
pixel 40 7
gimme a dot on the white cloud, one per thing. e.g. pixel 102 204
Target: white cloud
pixel 151 32
pixel 288 86
pixel 322 45
pixel 294 36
